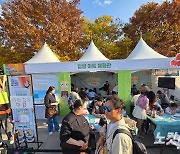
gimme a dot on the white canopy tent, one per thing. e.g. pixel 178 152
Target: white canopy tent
pixel 45 55
pixel 41 82
pixel 143 51
pixel 92 54
pixel 110 65
pixel 92 61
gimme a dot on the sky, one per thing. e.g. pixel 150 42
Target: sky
pixel 123 9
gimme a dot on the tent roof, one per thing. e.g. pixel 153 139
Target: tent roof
pixel 92 54
pixel 143 51
pixel 45 55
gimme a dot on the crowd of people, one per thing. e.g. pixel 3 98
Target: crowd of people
pixel 75 129
pixel 146 102
pixel 105 105
pixel 111 107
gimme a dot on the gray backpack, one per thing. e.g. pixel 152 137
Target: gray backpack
pixel 138 146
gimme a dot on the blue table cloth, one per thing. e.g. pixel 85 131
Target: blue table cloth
pixel 93 120
pixel 164 124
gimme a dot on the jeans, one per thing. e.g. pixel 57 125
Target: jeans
pixel 50 123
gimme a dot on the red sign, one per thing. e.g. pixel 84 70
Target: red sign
pixel 176 62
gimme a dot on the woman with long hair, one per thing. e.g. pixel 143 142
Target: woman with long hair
pixel 139 111
pixel 74 134
pixel 51 112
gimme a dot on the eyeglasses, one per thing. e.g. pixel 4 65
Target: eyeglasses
pixel 107 108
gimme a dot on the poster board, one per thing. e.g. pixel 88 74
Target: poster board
pixel 21 97
pixel 41 83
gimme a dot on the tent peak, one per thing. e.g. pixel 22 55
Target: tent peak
pixel 143 51
pixel 92 54
pixel 45 55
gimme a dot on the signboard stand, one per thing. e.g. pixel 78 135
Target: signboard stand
pixel 23 110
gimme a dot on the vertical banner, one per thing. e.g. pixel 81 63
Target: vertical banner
pixel 64 90
pixel 21 98
pixel 124 87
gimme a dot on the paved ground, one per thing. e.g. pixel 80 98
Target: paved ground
pixel 52 142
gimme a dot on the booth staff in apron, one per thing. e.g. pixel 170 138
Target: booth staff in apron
pixel 4 116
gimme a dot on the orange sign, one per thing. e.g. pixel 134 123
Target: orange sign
pixel 176 62
pixel 14 69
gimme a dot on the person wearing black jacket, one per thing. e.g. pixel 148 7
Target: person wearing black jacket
pixel 106 87
pixel 98 108
pixel 51 112
pixel 74 134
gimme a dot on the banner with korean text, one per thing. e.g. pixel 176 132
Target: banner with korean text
pixel 14 69
pixel 21 98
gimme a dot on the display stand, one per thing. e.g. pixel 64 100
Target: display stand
pixel 23 111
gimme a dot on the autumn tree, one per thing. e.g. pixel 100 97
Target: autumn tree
pixel 160 26
pixel 27 24
pixel 106 33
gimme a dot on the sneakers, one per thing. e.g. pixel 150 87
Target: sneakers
pixel 50 133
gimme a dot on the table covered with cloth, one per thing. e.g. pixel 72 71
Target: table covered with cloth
pixel 93 120
pixel 166 123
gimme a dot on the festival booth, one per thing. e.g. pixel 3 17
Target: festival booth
pixel 93 79
pixel 41 81
pixel 143 51
pixel 151 77
pixel 121 66
pixel 27 91
pixel 45 69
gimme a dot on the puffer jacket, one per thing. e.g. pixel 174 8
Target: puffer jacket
pixel 122 143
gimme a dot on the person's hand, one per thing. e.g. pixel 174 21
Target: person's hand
pixel 91 127
pixel 102 130
pixel 173 112
pixel 160 113
pixel 85 146
pixel 103 115
pixel 80 143
pixel 100 142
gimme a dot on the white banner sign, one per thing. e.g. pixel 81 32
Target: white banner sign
pixel 21 102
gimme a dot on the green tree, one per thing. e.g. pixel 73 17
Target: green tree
pixel 27 24
pixel 160 26
pixel 107 35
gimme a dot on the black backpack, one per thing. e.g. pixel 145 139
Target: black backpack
pixel 138 146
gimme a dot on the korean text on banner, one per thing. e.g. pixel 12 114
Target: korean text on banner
pixel 22 107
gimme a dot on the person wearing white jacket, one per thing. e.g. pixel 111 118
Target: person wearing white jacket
pixel 122 143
